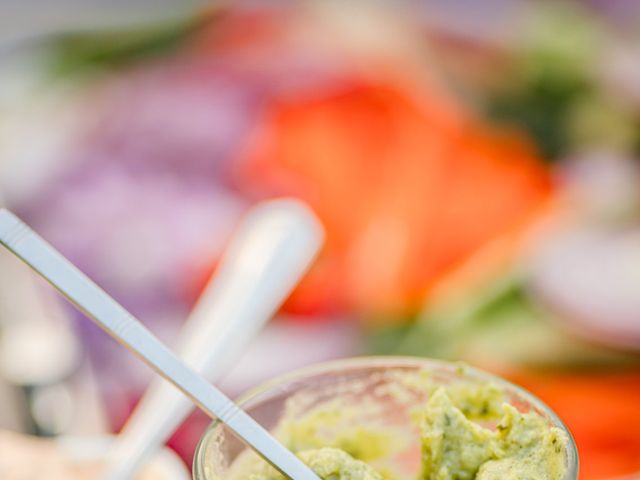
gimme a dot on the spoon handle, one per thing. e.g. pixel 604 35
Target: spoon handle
pixel 123 327
pixel 267 256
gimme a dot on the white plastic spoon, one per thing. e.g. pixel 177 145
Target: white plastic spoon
pixel 123 327
pixel 266 258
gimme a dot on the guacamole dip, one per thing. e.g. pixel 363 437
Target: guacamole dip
pixel 465 432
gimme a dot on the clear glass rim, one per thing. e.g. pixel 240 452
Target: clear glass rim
pixel 358 363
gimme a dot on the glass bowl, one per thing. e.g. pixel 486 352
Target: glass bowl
pixel 357 383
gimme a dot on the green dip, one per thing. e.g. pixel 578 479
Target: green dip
pixel 466 432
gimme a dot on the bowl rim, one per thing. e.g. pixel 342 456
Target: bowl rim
pixel 396 362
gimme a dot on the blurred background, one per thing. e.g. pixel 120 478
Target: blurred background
pixel 475 165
